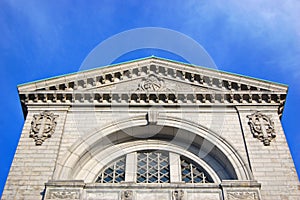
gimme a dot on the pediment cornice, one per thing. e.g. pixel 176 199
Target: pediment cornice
pixel 208 86
pixel 168 69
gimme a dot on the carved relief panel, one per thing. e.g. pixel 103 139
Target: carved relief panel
pixel 242 195
pixel 262 127
pixel 63 194
pixel 126 195
pixel 178 195
pixel 151 83
pixel 42 126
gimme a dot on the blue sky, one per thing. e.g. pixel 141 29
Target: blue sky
pixel 42 38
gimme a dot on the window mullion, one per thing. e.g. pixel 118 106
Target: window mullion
pixel 131 167
pixel 158 168
pixel 114 173
pixel 192 173
pixel 175 170
pixel 203 177
pixel 147 174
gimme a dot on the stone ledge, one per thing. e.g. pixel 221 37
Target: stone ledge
pixel 65 183
pixel 238 183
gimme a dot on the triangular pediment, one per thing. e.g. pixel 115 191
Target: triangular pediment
pixel 178 76
pixel 150 83
pixel 153 81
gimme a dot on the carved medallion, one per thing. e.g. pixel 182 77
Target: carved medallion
pixel 242 195
pixel 42 126
pixel 151 83
pixel 262 127
pixel 126 195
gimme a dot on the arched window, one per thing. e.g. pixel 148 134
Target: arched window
pixel 153 167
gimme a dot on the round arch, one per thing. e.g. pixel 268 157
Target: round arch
pixel 85 157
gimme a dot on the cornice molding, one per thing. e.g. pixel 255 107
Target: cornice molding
pixel 177 71
pixel 91 87
pixel 108 98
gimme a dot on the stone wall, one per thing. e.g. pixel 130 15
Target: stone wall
pixel 34 165
pixel 272 165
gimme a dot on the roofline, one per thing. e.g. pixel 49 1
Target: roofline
pixel 87 70
pixel 158 58
pixel 218 70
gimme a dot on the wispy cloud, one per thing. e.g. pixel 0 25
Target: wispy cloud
pixel 270 25
pixel 255 15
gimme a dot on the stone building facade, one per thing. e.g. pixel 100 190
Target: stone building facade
pixel 152 129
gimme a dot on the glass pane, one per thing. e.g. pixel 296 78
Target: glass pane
pixel 153 167
pixel 193 173
pixel 113 173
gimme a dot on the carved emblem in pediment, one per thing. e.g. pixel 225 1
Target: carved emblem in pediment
pixel 152 83
pixel 262 127
pixel 42 126
pixel 242 195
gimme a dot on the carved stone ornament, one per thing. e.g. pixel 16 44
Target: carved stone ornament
pixel 126 195
pixel 242 195
pixel 152 116
pixel 178 195
pixel 262 127
pixel 63 195
pixel 151 83
pixel 42 126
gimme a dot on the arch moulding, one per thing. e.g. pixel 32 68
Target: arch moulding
pixel 83 159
